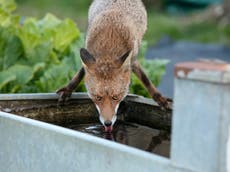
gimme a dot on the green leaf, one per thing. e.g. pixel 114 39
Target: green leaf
pixel 8 5
pixel 21 75
pixel 29 37
pixel 65 33
pixel 13 51
pixel 38 67
pixel 48 22
pixel 6 18
pixel 5 80
pixel 40 53
pixel 56 76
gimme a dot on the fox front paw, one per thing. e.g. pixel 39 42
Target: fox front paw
pixel 64 94
pixel 163 102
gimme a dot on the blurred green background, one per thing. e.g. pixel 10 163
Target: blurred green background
pixel 180 19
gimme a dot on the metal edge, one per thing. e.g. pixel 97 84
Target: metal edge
pixel 80 95
pixel 39 96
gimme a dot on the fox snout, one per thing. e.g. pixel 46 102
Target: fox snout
pixel 108 115
pixel 108 125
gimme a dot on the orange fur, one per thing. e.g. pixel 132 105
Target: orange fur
pixel 115 28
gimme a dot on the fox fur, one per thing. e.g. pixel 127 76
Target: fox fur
pixel 115 28
pixel 115 31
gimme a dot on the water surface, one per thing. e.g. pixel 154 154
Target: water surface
pixel 135 135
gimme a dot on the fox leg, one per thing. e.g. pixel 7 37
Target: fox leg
pixel 65 92
pixel 154 93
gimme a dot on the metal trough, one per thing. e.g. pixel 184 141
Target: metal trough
pixel 200 129
pixel 31 145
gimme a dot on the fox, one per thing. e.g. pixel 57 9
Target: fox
pixel 114 35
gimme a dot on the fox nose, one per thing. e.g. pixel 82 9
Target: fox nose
pixel 108 123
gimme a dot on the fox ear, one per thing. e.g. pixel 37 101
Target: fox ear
pixel 86 57
pixel 122 60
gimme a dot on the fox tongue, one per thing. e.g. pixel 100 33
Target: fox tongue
pixel 109 129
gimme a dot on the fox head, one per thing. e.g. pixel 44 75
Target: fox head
pixel 107 83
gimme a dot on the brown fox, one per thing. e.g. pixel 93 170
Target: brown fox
pixel 115 32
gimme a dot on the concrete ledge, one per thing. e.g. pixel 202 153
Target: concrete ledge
pixel 206 71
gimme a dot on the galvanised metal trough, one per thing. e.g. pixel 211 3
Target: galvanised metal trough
pixel 37 143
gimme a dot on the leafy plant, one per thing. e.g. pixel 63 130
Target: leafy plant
pixel 32 49
pixel 43 55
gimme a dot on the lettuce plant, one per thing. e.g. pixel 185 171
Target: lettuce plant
pixel 43 55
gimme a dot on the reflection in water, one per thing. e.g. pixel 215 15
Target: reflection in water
pixel 108 136
pixel 134 135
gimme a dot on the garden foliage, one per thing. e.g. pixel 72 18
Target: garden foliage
pixel 42 55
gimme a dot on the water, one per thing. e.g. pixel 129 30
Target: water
pixel 131 134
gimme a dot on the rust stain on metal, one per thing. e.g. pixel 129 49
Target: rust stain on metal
pixel 186 67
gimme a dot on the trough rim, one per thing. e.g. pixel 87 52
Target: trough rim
pixel 79 95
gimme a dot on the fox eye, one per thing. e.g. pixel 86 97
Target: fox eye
pixel 98 98
pixel 115 97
